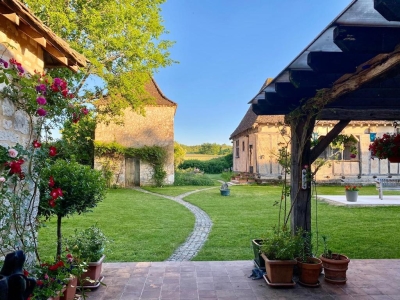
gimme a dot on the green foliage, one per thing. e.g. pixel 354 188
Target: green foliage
pixel 77 140
pixel 189 177
pixel 88 244
pixel 82 188
pixel 281 245
pixel 179 154
pixel 212 166
pixel 75 189
pixel 121 40
pixel 156 156
pixel 208 148
pixel 226 176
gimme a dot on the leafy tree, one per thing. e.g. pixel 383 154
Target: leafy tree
pixel 121 40
pixel 74 188
pixel 77 140
pixel 208 148
pixel 179 154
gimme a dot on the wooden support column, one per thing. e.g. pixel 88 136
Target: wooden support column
pixel 301 130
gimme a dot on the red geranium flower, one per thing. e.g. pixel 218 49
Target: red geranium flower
pixel 52 151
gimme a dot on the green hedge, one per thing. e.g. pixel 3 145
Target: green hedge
pixel 184 178
pixel 212 166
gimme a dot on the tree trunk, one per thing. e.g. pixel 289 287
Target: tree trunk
pixel 59 236
pixel 300 195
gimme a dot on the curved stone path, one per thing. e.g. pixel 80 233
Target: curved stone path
pixel 198 236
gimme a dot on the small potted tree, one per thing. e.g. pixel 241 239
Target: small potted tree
pixel 74 188
pixel 88 245
pixel 309 266
pixel 335 265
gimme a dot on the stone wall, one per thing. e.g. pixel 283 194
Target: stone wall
pixel 155 128
pixel 15 126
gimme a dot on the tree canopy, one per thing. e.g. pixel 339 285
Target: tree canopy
pixel 121 40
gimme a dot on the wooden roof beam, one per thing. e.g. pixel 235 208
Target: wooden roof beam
pixel 366 39
pixel 336 62
pixel 389 9
pixel 33 34
pixel 56 54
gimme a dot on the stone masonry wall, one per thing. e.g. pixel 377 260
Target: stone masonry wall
pixel 15 125
pixel 156 128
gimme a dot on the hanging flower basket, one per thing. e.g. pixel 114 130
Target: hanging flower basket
pixel 388 146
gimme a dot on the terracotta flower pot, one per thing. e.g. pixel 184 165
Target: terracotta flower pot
pixel 93 272
pixel 70 289
pixel 335 268
pixel 309 271
pixel 279 272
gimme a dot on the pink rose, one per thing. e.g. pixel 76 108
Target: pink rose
pixel 12 152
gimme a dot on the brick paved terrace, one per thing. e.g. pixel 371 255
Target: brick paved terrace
pixel 228 280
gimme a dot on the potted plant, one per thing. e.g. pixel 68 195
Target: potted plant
pixel 388 146
pixel 225 191
pixel 88 245
pixel 258 260
pixel 58 279
pixel 309 266
pixel 351 193
pixel 279 250
pixel 335 265
pixel 74 188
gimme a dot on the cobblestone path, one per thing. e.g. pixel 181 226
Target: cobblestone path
pixel 202 227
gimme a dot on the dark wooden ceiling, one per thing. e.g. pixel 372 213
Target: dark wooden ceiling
pixel 365 30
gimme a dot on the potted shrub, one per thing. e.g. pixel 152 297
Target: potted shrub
pixel 225 191
pixel 335 265
pixel 258 260
pixel 388 146
pixel 279 250
pixel 74 188
pixel 88 245
pixel 351 193
pixel 309 266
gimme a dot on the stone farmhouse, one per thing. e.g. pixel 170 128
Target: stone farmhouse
pixel 257 139
pixel 154 128
pixel 26 39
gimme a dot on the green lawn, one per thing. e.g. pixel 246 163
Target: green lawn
pixel 148 228
pixel 143 227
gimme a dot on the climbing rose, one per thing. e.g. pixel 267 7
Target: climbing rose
pixel 41 112
pixel 15 166
pixel 52 203
pixel 12 152
pixel 36 144
pixel 52 151
pixel 41 88
pixel 54 194
pixel 2 179
pixel 85 111
pixel 41 101
pixel 51 181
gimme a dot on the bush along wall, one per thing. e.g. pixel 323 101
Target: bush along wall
pixel 212 166
pixel 156 156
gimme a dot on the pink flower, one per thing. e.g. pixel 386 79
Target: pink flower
pixel 41 88
pixel 84 110
pixel 41 112
pixel 41 101
pixel 12 152
pixel 46 276
pixel 4 63
pixel 2 179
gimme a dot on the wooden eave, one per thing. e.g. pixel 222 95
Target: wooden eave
pixel 57 51
pixel 355 60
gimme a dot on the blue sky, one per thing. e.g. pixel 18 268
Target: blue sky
pixel 226 49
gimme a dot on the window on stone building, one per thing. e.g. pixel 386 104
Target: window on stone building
pixel 237 148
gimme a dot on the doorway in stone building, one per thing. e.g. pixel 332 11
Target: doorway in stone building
pixel 132 172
